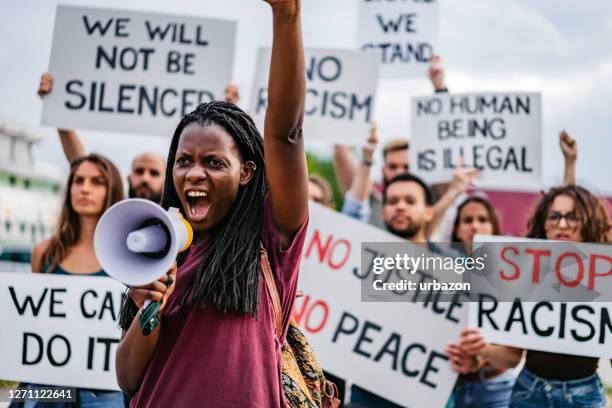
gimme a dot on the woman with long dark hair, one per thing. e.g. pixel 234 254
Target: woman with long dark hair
pixel 484 386
pixel 216 343
pixel 94 184
pixel 568 213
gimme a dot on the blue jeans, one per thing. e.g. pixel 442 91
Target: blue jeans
pixel 531 391
pixel 487 393
pixel 85 398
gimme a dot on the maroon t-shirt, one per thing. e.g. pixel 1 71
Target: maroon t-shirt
pixel 207 358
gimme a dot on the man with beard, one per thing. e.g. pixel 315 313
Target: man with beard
pixel 407 208
pixel 147 177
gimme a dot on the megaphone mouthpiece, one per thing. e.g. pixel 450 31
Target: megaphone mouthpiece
pixel 147 240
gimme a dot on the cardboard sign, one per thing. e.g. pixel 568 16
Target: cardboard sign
pixel 405 34
pixel 59 330
pixel 394 350
pixel 499 133
pixel 134 72
pixel 567 327
pixel 340 96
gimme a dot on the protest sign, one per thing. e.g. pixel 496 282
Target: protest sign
pixel 391 349
pixel 405 34
pixel 340 96
pixel 59 330
pixel 499 133
pixel 567 327
pixel 136 72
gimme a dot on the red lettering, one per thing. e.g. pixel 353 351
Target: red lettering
pixel 321 250
pixel 308 314
pixel 327 250
pixel 338 265
pixel 570 284
pixel 537 253
pixel 324 316
pixel 299 313
pixel 517 271
pixel 593 268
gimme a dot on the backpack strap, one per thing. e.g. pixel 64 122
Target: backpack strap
pixel 272 291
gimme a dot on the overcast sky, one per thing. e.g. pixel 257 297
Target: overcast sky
pixel 561 48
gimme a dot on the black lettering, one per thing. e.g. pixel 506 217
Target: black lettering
pixel 87 315
pixel 101 107
pixel 364 339
pixel 486 312
pixel 162 101
pixel 107 304
pixel 517 308
pixel 120 26
pixel 577 318
pixel 52 359
pixel 341 329
pixel 71 91
pixel 604 323
pixel 123 97
pixel 90 351
pixel 425 160
pixel 52 312
pixel 534 321
pixel 430 367
pixel 156 31
pixel 97 26
pixel 405 369
pixel 24 349
pixel 355 105
pixel 29 301
pixel 108 342
pixel 390 347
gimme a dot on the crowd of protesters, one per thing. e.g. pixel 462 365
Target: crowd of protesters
pixel 249 211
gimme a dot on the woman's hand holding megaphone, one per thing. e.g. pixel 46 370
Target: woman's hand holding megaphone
pixel 156 291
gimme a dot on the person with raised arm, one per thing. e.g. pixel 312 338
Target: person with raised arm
pixel 217 344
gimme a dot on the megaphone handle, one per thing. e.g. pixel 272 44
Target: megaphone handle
pixel 148 318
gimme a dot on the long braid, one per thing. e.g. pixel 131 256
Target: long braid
pixel 229 274
pixel 228 277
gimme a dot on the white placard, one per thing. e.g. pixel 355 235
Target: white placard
pixel 135 72
pixel 59 330
pixel 394 350
pixel 499 133
pixel 405 34
pixel 340 98
pixel 577 328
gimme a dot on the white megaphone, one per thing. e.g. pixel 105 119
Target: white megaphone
pixel 136 241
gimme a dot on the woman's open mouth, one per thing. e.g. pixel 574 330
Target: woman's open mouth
pixel 198 203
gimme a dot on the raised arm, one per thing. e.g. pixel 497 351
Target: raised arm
pixel 344 166
pixel 71 144
pixel 569 148
pixel 283 139
pixel 462 179
pixel 361 184
pixel 436 74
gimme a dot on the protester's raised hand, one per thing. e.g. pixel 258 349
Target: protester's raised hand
pixel 460 361
pixel 436 73
pixel 287 6
pixel 471 341
pixel 156 291
pixel 46 84
pixel 463 178
pixel 370 147
pixel 569 147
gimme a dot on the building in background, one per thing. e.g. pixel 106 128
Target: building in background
pixel 29 195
